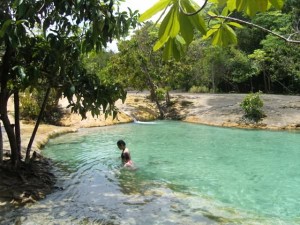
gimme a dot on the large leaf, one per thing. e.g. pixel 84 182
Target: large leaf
pixel 186 28
pixel 6 24
pixel 17 3
pixel 229 36
pixel 175 23
pixel 164 30
pixel 169 28
pixel 231 5
pixel 213 30
pixel 277 3
pixel 222 35
pixel 196 20
pixel 251 7
pixel 235 24
pixel 171 50
pixel 219 2
pixel 217 38
pixel 157 7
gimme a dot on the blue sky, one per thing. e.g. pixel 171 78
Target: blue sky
pixel 142 6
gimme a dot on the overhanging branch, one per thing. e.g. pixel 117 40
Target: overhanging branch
pixel 287 39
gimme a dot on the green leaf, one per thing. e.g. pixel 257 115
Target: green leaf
pixel 219 2
pixel 278 4
pixel 171 50
pixel 175 24
pixel 225 11
pixel 186 28
pixel 231 4
pixel 211 14
pixel 251 7
pixel 157 7
pixel 164 29
pixel 6 24
pixel 223 35
pixel 217 38
pixel 213 30
pixel 229 36
pixel 235 24
pixel 169 28
pixel 17 3
pixel 158 45
pixel 180 40
pixel 196 20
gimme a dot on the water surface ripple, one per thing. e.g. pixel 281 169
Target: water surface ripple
pixel 187 174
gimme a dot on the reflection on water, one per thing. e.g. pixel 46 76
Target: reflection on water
pixel 187 174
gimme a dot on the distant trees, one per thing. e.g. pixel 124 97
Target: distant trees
pixel 263 55
pixel 259 61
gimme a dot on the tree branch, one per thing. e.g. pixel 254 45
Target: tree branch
pixel 259 27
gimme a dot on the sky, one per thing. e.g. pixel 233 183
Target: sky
pixel 141 5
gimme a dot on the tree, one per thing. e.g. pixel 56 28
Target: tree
pixel 42 44
pixel 139 67
pixel 185 16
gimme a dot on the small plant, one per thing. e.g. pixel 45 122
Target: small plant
pixel 160 93
pixel 31 101
pixel 199 89
pixel 252 106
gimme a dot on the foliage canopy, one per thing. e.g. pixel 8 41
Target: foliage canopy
pixel 182 17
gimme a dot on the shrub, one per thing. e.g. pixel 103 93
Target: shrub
pixel 31 101
pixel 199 89
pixel 160 93
pixel 252 106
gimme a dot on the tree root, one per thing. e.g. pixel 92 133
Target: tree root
pixel 26 183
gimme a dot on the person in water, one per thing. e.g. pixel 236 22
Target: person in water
pixel 125 155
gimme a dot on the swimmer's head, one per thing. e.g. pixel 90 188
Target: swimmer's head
pixel 121 144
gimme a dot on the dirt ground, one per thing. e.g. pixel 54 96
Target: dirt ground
pixel 281 111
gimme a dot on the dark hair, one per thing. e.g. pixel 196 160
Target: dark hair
pixel 121 142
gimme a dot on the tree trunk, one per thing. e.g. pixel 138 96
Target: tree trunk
pixel 265 82
pixel 1 146
pixel 27 159
pixel 168 99
pixel 11 137
pixel 213 80
pixel 153 93
pixel 5 76
pixel 17 122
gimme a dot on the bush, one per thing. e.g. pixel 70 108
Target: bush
pixel 199 89
pixel 252 106
pixel 160 93
pixel 31 102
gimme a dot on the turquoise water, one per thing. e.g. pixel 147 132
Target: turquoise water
pixel 187 174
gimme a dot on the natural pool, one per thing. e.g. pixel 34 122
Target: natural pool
pixel 187 174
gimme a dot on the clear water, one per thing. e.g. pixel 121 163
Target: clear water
pixel 187 174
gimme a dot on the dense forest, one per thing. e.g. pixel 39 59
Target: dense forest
pixel 259 61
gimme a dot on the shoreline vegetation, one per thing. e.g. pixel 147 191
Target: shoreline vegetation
pixel 36 181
